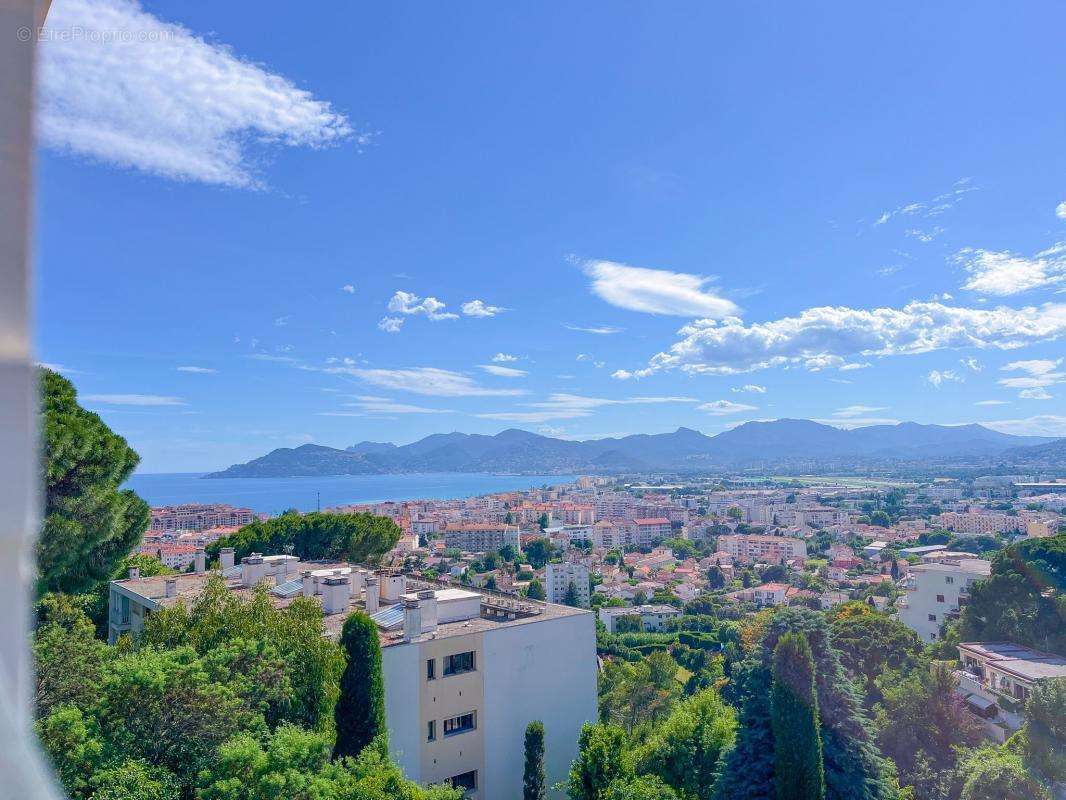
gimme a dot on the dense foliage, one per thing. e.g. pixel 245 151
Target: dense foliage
pixel 533 778
pixel 89 524
pixel 361 538
pixel 798 771
pixel 360 714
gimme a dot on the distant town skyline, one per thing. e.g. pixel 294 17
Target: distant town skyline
pixel 580 221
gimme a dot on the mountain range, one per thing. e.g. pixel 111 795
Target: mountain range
pixel 753 444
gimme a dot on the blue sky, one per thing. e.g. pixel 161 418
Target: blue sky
pixel 259 227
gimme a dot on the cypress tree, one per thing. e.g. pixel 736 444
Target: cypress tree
pixel 798 771
pixel 360 709
pixel 533 778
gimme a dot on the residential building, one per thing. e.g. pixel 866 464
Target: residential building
pixel 652 617
pixel 198 517
pixel 971 524
pixel 754 547
pixel 481 538
pixel 558 578
pixel 649 530
pixel 997 678
pixel 464 671
pixel 934 592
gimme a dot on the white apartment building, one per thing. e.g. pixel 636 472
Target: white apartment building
pixel 647 530
pixel 933 591
pixel 558 579
pixel 464 672
pixel 198 517
pixel 481 538
pixel 755 547
pixel 652 617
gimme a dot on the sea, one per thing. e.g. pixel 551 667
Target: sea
pixel 274 495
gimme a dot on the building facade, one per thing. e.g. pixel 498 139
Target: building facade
pixel 558 578
pixel 934 591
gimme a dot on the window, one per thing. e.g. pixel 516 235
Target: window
pixel 461 724
pixel 932 617
pixel 431 730
pixel 124 614
pixel 948 579
pixel 459 663
pixel 940 598
pixel 431 669
pixel 467 781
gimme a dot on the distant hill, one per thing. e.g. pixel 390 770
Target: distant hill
pixel 751 444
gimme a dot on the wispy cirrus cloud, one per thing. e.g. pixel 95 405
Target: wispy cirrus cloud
pixel 1003 273
pixel 133 399
pixel 721 408
pixel 937 377
pixel 1038 425
pixel 819 338
pixel 166 101
pixel 656 291
pixel 933 207
pixel 561 406
pixel 503 372
pixel 600 330
pixel 429 381
pixel 849 412
pixel 1038 375
pixel 752 388
pixel 504 358
pixel 198 370
pixel 372 404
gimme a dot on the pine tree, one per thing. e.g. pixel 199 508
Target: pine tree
pixel 533 778
pixel 798 771
pixel 571 598
pixel 360 710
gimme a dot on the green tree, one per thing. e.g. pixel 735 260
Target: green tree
pixel 871 643
pixel 1042 738
pixel 715 577
pixel 89 523
pixel 535 590
pixel 135 779
pixel 920 725
pixel 538 552
pixel 362 538
pixel 360 712
pixel 995 773
pixel 69 660
pixel 542 521
pixel 798 770
pixel 571 598
pixel 684 750
pixel 600 761
pixel 644 787
pixel 533 778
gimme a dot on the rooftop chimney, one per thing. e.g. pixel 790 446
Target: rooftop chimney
pixel 358 580
pixel 309 583
pixel 336 593
pixel 373 599
pixel 225 557
pixel 392 587
pixel 135 572
pixel 427 599
pixel 253 570
pixel 200 559
pixel 171 585
pixel 412 619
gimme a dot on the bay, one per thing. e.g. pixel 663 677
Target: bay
pixel 274 495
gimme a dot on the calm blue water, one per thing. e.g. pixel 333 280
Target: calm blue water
pixel 274 495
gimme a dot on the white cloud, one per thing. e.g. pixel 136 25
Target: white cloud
pixel 390 324
pixel 992 403
pixel 477 308
pixel 382 405
pixel 1035 394
pixel 1040 373
pixel 504 358
pixel 1039 425
pixel 571 406
pixel 166 101
pixel 1060 210
pixel 855 365
pixel 848 423
pixel 60 368
pixel 925 235
pixel 349 288
pixel 930 208
pixel 133 399
pixel 583 357
pixel 656 291
pixel 411 304
pixel 721 408
pixel 601 330
pixel 281 322
pixel 753 388
pixel 890 270
pixel 849 412
pixel 937 377
pixel 971 364
pixel 424 380
pixel 819 336
pixel 1004 273
pixel 198 370
pixel 503 372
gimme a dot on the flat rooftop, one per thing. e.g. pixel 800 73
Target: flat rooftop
pixel 151 592
pixel 1024 662
pixel 976 566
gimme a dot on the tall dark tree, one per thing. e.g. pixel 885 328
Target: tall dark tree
pixel 360 710
pixel 89 524
pixel 798 771
pixel 571 598
pixel 535 590
pixel 534 781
